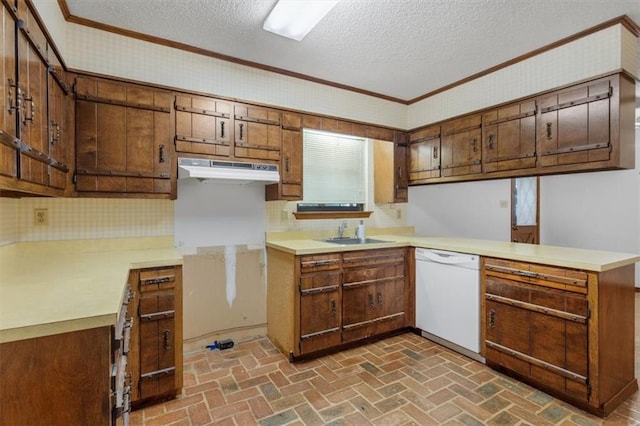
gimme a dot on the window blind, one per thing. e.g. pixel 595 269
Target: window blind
pixel 334 168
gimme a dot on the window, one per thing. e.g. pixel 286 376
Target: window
pixel 334 168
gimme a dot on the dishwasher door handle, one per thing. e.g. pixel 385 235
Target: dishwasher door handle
pixel 447 258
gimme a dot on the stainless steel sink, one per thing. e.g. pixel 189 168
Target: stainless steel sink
pixel 347 240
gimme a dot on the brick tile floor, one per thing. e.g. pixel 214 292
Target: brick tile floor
pixel 402 380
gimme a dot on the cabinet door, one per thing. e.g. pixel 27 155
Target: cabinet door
pixel 401 177
pixel 320 314
pixel 537 330
pixel 462 146
pixel 8 91
pixel 291 165
pixel 157 344
pixel 424 154
pixel 574 125
pixel 32 111
pixel 57 134
pixel 509 137
pixel 203 125
pixel 257 133
pixel 123 138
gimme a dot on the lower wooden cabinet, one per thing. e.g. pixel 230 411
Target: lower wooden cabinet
pixel 156 338
pixel 568 332
pixel 72 378
pixel 319 302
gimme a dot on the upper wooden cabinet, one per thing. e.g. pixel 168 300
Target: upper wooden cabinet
pixel 585 127
pixel 34 152
pixel 424 155
pixel 461 146
pixel 257 133
pixel 203 125
pixel 509 137
pixel 390 170
pixel 290 185
pixel 8 89
pixel 585 124
pixel 123 139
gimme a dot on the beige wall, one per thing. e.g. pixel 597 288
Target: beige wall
pixel 605 51
pixel 84 218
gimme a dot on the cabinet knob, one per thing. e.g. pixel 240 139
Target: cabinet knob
pixel 167 346
pixel 549 131
pixel 333 307
pixel 371 301
pixel 492 318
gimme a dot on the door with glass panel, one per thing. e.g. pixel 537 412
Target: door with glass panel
pixel 525 210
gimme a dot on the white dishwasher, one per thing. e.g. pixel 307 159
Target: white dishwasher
pixel 448 299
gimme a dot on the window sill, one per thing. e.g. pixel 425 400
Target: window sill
pixel 331 215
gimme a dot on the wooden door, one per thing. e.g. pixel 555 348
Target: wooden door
pixel 203 125
pixel 574 125
pixel 291 165
pixel 509 137
pixel 424 154
pixel 8 92
pixel 462 146
pixel 390 304
pixel 359 310
pixel 525 210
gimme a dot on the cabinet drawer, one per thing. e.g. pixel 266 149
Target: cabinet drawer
pixel 357 259
pixel 542 275
pixel 320 262
pixel 315 283
pixel 373 275
pixel 157 279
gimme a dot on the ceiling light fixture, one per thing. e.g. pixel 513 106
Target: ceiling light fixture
pixel 295 18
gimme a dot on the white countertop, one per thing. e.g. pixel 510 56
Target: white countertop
pixel 590 260
pixel 60 286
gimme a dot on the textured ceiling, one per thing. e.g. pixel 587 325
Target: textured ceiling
pixel 398 48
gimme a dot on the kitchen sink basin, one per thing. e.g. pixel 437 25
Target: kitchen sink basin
pixel 346 240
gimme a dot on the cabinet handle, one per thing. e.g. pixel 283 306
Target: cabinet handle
pixel 549 128
pixel 371 302
pixel 492 318
pixel 286 164
pixel 222 129
pixel 474 144
pixel 162 155
pixel 380 301
pixel 400 172
pixel 11 100
pixel 166 333
pixel 333 307
pixel 241 131
pixel 491 141
pixel 435 152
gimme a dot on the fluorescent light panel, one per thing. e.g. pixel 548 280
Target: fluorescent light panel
pixel 295 18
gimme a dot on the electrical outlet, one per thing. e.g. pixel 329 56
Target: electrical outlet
pixel 40 216
pixel 284 215
pixel 504 204
pixel 399 214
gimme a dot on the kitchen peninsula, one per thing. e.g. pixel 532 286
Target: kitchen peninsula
pixel 67 317
pixel 585 357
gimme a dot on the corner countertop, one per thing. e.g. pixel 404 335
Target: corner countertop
pixel 62 286
pixel 590 260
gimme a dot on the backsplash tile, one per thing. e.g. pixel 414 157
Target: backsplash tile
pixel 86 218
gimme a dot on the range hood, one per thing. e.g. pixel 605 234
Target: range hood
pixel 227 171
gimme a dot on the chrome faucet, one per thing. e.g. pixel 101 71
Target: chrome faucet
pixel 341 228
